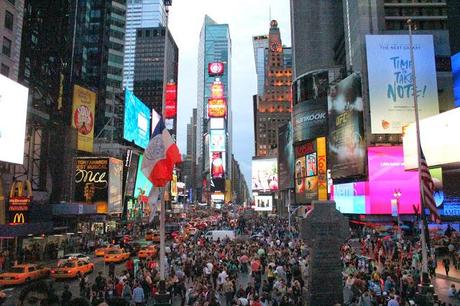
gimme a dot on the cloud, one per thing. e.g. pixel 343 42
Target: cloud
pixel 246 18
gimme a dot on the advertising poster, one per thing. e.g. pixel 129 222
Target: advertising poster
pixel 263 203
pixel 311 164
pixel 217 108
pixel 303 185
pixel 350 198
pixel 217 140
pixel 137 120
pixel 216 69
pixel 115 186
pixel 83 116
pixel 174 191
pixel 217 164
pixel 92 182
pixel 217 184
pixel 13 113
pixel 217 90
pixel 286 159
pixel 386 173
pixel 390 81
pixel 171 101
pixel 347 147
pixel 131 175
pixel 143 185
pixel 455 62
pixel 265 174
pixel 217 123
pixel 322 168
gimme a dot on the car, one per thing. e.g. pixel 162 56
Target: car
pixel 115 255
pixel 22 274
pixel 72 268
pixel 99 252
pixel 153 236
pixel 149 251
pixel 75 255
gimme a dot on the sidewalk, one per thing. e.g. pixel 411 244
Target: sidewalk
pixel 454 274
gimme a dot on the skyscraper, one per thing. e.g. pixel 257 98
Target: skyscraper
pixel 260 44
pixel 149 66
pixel 11 14
pixel 273 108
pixel 139 14
pixel 214 107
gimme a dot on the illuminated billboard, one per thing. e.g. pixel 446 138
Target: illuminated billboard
pixel 263 203
pixel 83 116
pixel 390 81
pixel 217 123
pixel 439 138
pixel 115 204
pixel 217 108
pixel 137 120
pixel 171 101
pixel 13 113
pixel 285 157
pixel 217 90
pixel 217 162
pixel 215 69
pixel 351 198
pixel 455 62
pixel 217 184
pixel 217 140
pixel 264 174
pixel 347 147
pixel 143 185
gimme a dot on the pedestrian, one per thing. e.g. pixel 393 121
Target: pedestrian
pixel 112 270
pixel 127 292
pixel 138 295
pixel 446 263
pixel 66 296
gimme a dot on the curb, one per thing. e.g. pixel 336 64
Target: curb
pixel 454 279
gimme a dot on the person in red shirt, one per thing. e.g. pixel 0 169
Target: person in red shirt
pixel 119 288
pixel 130 266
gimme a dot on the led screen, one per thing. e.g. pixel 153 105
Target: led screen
pixel 217 140
pixel 263 203
pixel 265 174
pixel 217 164
pixel 13 112
pixel 143 185
pixel 350 198
pixel 137 121
pixel 456 78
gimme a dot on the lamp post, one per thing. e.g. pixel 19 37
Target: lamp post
pixel 397 195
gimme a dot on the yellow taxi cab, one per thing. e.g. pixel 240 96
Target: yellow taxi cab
pixel 72 268
pixel 99 252
pixel 115 255
pixel 21 274
pixel 153 236
pixel 148 251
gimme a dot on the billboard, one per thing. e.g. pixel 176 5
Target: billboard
pixel 217 123
pixel 265 174
pixel 347 148
pixel 217 184
pixel 143 185
pixel 131 175
pixel 310 106
pixel 215 69
pixel 217 140
pixel 217 90
pixel 115 204
pixel 171 101
pixel 351 198
pixel 263 203
pixel 455 62
pixel 92 182
pixel 19 201
pixel 13 113
pixel 439 138
pixel 285 157
pixel 447 194
pixel 137 120
pixel 217 108
pixel 83 116
pixel 217 163
pixel 387 173
pixel 305 173
pixel 390 81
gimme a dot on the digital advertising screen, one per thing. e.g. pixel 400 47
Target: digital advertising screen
pixel 13 113
pixel 131 175
pixel 171 101
pixel 390 82
pixel 143 185
pixel 286 158
pixel 137 120
pixel 217 123
pixel 303 187
pixel 217 163
pixel 217 140
pixel 263 203
pixel 83 116
pixel 215 69
pixel 347 146
pixel 217 184
pixel 265 174
pixel 217 90
pixel 115 205
pixel 455 62
pixel 217 108
pixel 350 198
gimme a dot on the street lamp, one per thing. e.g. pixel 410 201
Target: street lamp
pixel 397 195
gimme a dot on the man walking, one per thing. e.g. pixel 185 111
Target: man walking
pixel 138 295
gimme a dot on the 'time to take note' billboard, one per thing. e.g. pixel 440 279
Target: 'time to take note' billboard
pixel 390 81
pixel 13 112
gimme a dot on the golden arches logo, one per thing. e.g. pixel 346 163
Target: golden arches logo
pixel 19 218
pixel 21 189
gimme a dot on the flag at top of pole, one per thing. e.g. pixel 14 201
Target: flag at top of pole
pixel 428 188
pixel 161 154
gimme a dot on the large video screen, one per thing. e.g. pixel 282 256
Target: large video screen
pixel 265 174
pixel 285 157
pixel 263 203
pixel 390 82
pixel 13 113
pixel 137 121
pixel 143 185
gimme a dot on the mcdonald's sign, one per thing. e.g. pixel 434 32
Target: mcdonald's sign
pixel 17 218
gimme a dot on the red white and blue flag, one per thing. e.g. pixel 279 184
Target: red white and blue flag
pixel 160 156
pixel 428 189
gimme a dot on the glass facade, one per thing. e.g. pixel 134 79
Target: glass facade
pixel 139 14
pixel 260 44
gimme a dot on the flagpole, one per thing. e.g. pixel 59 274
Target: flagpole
pixel 419 154
pixel 162 234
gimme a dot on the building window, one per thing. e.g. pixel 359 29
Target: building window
pixel 6 46
pixel 11 1
pixel 5 70
pixel 9 20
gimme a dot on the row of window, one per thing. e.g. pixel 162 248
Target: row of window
pixel 397 25
pixel 6 47
pixel 9 20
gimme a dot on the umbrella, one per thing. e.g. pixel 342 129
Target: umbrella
pixel 261 252
pixel 244 259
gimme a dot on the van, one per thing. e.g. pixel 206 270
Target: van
pixel 219 234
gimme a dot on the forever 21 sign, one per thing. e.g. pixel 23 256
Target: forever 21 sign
pixel 91 180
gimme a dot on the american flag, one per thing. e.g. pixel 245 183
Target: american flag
pixel 428 189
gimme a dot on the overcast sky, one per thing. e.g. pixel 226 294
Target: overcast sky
pixel 246 18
